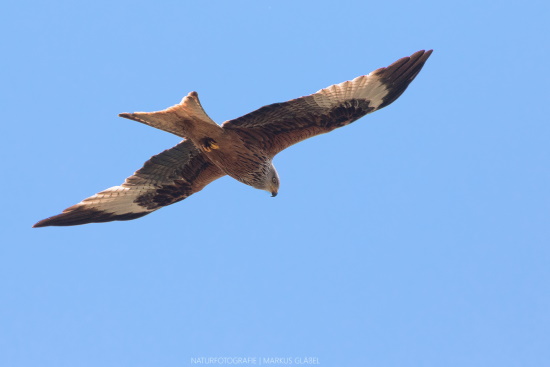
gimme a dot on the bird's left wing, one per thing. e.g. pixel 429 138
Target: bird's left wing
pixel 166 178
pixel 280 125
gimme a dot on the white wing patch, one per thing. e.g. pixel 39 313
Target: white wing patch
pixel 366 87
pixel 118 199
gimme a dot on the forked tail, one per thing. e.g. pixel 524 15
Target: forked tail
pixel 176 119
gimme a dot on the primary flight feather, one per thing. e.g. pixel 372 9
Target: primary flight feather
pixel 242 148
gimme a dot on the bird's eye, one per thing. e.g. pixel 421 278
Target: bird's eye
pixel 274 180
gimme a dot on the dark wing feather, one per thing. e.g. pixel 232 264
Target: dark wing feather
pixel 280 125
pixel 166 178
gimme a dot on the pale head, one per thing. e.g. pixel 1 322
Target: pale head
pixel 269 181
pixel 273 178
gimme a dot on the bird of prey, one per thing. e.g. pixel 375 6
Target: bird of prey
pixel 242 148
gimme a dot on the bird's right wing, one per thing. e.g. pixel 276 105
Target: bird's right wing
pixel 280 125
pixel 166 178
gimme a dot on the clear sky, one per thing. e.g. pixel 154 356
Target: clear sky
pixel 417 236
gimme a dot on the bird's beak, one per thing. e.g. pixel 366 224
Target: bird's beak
pixel 274 193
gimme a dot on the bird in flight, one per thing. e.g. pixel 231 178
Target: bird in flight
pixel 242 148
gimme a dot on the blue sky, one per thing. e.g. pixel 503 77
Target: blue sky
pixel 417 236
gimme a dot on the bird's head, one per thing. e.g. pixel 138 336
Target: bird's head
pixel 272 184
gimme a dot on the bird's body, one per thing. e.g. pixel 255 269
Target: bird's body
pixel 244 164
pixel 242 148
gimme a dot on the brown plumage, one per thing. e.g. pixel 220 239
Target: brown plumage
pixel 242 148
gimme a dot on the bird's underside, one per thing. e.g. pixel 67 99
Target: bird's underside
pixel 242 148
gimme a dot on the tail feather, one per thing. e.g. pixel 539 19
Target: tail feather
pixel 175 119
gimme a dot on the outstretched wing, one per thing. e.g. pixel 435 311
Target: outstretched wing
pixel 166 178
pixel 280 125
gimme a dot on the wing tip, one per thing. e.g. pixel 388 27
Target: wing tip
pixel 400 74
pixel 422 55
pixel 419 57
pixel 56 220
pixel 85 216
pixel 42 223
